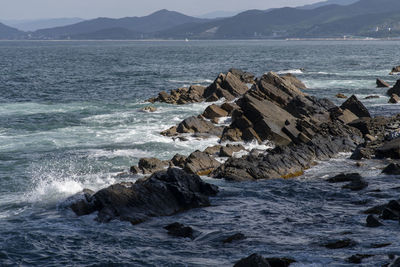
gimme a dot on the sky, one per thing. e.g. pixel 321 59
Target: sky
pixel 86 9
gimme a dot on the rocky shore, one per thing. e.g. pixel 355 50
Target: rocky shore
pixel 271 109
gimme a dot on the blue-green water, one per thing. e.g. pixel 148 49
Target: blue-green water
pixel 70 118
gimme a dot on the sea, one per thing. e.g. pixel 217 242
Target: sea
pixel 71 118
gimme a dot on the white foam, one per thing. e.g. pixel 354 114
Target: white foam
pixel 293 71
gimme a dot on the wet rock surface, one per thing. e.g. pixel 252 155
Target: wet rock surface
pixel 179 230
pixel 381 83
pixel 162 194
pixel 256 260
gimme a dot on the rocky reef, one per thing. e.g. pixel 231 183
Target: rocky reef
pixel 272 109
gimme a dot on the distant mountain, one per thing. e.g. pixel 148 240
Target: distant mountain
pixel 158 21
pixel 362 18
pixel 219 14
pixel 328 2
pixel 7 33
pixel 33 25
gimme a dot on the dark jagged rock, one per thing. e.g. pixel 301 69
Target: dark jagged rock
pixel 381 83
pixel 162 194
pixel 229 107
pixel 356 107
pixel 82 203
pixel 235 237
pixel 149 165
pixel 394 99
pixel 389 149
pixel 179 230
pixel 357 259
pixel 290 161
pixel 395 89
pixel 256 260
pixel 228 150
pixel 198 125
pixel 372 221
pixel 227 86
pixel 293 80
pixel 345 243
pixel 179 161
pixel 201 163
pixel 214 111
pixel 392 169
pixel 244 76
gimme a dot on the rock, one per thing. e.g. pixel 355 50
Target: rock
pixel 214 111
pixel 394 99
pixel 201 163
pixel 372 97
pixel 395 89
pixel 345 177
pixel 150 109
pixel 355 179
pixel 381 83
pixel 249 135
pixel 357 259
pixel 231 134
pixel 82 203
pixel 356 107
pixel 213 150
pixel 347 117
pixel 370 138
pixel 340 95
pixel 345 243
pixel 235 237
pixel 294 81
pixel 389 149
pixel 395 70
pixel 372 221
pixel 149 165
pixel 392 169
pixel 179 160
pixel 228 150
pixel 198 125
pixel 256 260
pixel 389 214
pixel 179 230
pixel 162 194
pixel 253 260
pixel 212 98
pixel 229 107
pixel 228 86
pixel 170 132
pixel 244 76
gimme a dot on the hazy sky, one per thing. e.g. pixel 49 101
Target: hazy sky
pixel 32 9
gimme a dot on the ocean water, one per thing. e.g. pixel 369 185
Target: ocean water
pixel 70 118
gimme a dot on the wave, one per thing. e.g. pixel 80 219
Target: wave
pixel 293 71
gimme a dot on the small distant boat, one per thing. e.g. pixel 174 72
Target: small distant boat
pixel 186 40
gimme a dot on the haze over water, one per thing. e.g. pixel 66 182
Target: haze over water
pixel 70 118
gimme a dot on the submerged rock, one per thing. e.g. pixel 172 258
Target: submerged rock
pixel 372 221
pixel 162 194
pixel 345 243
pixel 179 230
pixel 392 169
pixel 357 259
pixel 340 95
pixel 235 237
pixel 355 179
pixel 256 260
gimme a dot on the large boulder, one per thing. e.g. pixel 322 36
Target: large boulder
pixel 198 125
pixel 201 163
pixel 162 194
pixel 149 165
pixel 395 89
pixel 214 111
pixel 381 83
pixel 389 149
pixel 356 107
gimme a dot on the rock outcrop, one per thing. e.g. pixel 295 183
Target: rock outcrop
pixel 256 260
pixel 395 89
pixel 356 107
pixel 162 194
pixel 381 83
pixel 148 166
